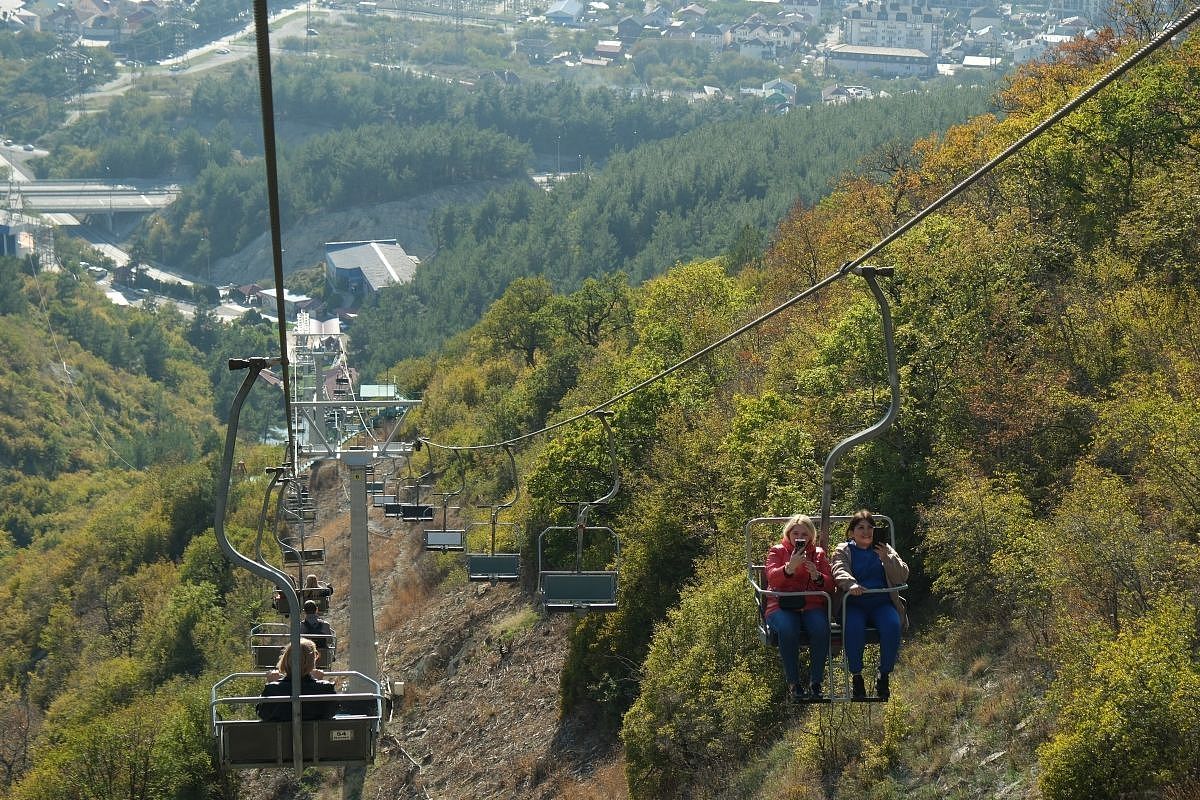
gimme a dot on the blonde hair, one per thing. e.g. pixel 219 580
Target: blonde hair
pixel 308 657
pixel 311 582
pixel 804 521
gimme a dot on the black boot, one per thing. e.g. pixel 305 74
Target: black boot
pixel 796 693
pixel 882 689
pixel 817 694
pixel 858 689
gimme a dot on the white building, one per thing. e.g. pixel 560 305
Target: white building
pixel 895 24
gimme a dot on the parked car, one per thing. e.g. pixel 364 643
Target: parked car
pixel 28 148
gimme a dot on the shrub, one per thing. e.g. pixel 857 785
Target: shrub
pixel 706 695
pixel 1129 724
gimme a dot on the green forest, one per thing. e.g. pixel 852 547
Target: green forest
pixel 1041 474
pixel 716 189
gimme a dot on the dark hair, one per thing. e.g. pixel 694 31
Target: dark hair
pixel 310 607
pixel 857 517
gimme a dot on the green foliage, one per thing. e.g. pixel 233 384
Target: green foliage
pixel 770 460
pixel 519 320
pixel 126 753
pixel 704 701
pixel 975 529
pixel 12 300
pixel 676 201
pixel 1128 720
pixel 203 562
pixel 1111 563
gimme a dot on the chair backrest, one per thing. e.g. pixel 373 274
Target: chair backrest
pixel 410 512
pixel 343 741
pixel 443 540
pixel 562 591
pixel 312 551
pixel 492 568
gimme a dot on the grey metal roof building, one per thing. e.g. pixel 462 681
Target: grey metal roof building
pixel 368 266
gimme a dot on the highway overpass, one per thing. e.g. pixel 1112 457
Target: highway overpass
pixel 95 197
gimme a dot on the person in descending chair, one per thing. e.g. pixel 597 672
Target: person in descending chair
pixel 864 563
pixel 310 683
pixel 315 590
pixel 797 564
pixel 318 630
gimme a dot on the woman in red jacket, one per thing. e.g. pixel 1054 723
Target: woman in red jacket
pixel 797 564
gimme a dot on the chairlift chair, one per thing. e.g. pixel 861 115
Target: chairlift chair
pixel 346 740
pixel 487 564
pixel 408 512
pixel 267 640
pixel 756 547
pixel 580 589
pixel 755 569
pixel 303 550
pixel 445 538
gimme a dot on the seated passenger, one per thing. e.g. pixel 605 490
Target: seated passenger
pixel 310 684
pixel 797 564
pixel 315 590
pixel 317 629
pixel 860 564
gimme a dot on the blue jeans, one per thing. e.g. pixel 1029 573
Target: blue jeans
pixel 883 616
pixel 789 626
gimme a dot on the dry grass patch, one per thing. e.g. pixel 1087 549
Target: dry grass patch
pixel 406 600
pixel 606 783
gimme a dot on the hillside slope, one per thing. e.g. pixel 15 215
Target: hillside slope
pixel 479 714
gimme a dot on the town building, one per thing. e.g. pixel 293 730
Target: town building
pixel 892 24
pixel 367 266
pixel 883 61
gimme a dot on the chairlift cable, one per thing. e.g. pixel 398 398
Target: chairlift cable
pixel 1154 44
pixel 70 381
pixel 266 96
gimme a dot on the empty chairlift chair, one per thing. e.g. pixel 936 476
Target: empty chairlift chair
pixel 582 588
pixel 445 538
pixel 413 510
pixel 303 551
pixel 578 589
pixel 487 564
pixel 374 484
pixel 383 501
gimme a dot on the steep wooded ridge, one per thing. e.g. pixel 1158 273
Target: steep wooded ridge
pixel 1041 474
